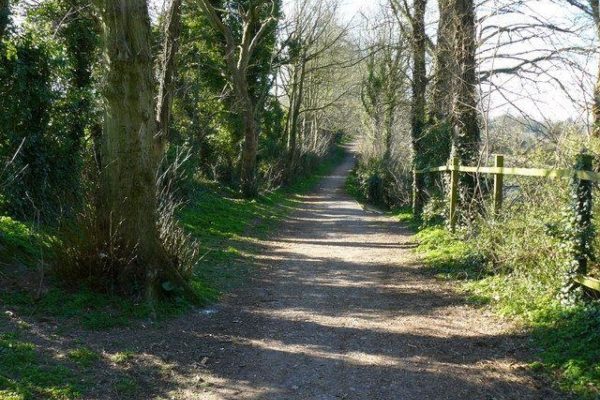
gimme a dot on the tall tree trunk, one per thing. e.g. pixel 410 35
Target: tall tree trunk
pixel 419 86
pixel 245 104
pixel 466 135
pixel 293 120
pixel 439 133
pixel 441 88
pixel 128 182
pixel 168 74
pixel 595 6
pixel 4 17
pixel 248 180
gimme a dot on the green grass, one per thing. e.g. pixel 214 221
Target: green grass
pixel 27 374
pixel 126 387
pixel 83 356
pixel 122 357
pixel 447 256
pixel 91 310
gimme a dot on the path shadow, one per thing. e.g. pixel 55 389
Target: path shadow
pixel 339 310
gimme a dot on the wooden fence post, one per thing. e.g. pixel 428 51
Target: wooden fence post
pixel 455 163
pixel 498 184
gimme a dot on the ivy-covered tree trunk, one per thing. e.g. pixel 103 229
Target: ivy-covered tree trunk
pixel 441 87
pixel 579 234
pixel 466 136
pixel 80 30
pixel 419 86
pixel 595 7
pixel 128 181
pixel 440 133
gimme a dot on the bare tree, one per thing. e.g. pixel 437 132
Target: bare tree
pixel 385 84
pixel 592 9
pixel 313 39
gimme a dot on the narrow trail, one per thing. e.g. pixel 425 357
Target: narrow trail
pixel 340 310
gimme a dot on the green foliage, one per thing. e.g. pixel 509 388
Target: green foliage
pixel 372 181
pixel 447 255
pixel 46 78
pixel 570 343
pixel 206 114
pixel 26 374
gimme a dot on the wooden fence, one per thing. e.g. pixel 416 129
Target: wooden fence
pixel 580 176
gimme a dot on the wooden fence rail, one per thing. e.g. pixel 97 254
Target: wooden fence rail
pixel 499 171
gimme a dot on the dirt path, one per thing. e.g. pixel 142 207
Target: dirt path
pixel 339 311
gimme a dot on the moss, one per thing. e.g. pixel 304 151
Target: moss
pixel 26 374
pixel 23 242
pixel 83 356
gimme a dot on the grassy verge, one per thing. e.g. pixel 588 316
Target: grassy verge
pixel 567 340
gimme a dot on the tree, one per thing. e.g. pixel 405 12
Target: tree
pixel 466 136
pixel 256 19
pixel 441 87
pixel 4 16
pixel 128 214
pixel 419 88
pixel 385 84
pixel 439 135
pixel 312 36
pixel 592 9
pixel 168 70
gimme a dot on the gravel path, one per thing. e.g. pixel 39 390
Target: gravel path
pixel 339 310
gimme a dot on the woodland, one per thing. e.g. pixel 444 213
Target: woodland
pixel 145 146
